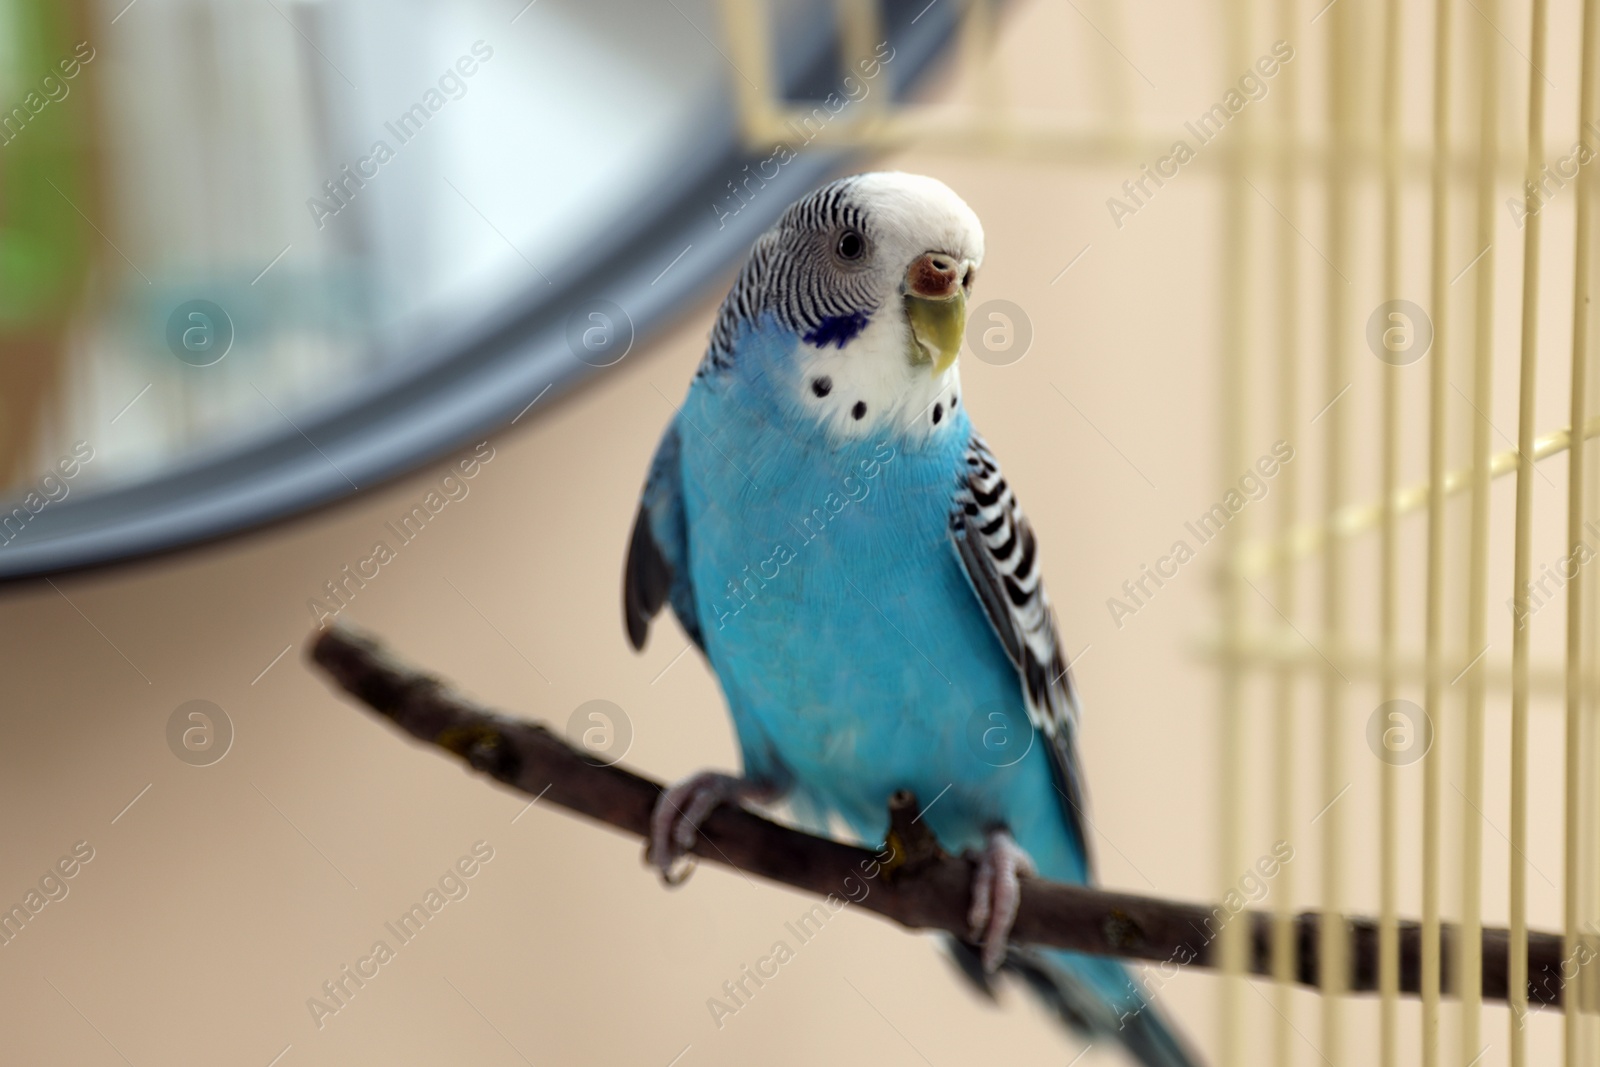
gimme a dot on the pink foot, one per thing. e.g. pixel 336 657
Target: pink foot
pixel 683 806
pixel 996 892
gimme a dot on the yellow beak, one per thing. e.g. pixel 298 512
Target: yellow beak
pixel 937 326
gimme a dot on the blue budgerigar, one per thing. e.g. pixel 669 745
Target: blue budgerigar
pixel 832 532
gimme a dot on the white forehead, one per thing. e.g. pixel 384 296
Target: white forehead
pixel 923 214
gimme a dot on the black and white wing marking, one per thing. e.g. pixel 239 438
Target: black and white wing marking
pixel 657 571
pixel 1000 555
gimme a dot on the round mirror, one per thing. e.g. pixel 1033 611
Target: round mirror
pixel 258 257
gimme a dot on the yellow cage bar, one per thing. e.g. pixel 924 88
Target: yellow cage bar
pixel 1403 141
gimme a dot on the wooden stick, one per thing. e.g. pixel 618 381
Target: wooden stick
pixel 912 880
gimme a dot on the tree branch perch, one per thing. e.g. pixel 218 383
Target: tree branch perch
pixel 920 886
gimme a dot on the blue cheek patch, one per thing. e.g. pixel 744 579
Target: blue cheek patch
pixel 838 329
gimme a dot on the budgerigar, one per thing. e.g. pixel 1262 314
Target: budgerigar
pixel 835 536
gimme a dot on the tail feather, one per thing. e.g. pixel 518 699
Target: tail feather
pixel 1154 1043
pixel 969 962
pixel 1092 996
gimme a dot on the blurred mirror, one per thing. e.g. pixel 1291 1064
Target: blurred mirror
pixel 257 255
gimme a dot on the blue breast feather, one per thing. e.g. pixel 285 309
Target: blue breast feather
pixel 855 658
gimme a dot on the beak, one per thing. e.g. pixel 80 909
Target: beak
pixel 936 308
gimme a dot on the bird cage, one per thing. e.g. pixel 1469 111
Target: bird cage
pixel 1405 632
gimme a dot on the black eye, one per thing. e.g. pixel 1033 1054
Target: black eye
pixel 851 245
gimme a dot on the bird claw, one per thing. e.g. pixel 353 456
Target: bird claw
pixel 682 807
pixel 996 893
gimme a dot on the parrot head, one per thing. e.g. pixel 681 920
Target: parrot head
pixel 872 274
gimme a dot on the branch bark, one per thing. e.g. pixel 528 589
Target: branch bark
pixel 913 881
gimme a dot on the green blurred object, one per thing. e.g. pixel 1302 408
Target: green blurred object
pixel 46 254
pixel 45 251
